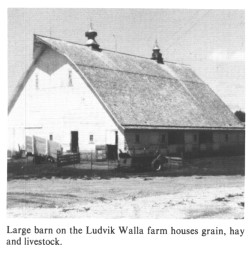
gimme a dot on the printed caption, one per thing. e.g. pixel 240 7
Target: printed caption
pixel 52 236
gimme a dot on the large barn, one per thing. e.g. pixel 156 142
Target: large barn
pixel 83 96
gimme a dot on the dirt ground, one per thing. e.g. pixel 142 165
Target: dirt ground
pixel 130 195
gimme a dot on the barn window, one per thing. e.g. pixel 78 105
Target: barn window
pixel 70 80
pixel 163 138
pixel 91 138
pixel 226 137
pixel 51 137
pixel 205 137
pixel 137 139
pixel 36 81
pixel 176 137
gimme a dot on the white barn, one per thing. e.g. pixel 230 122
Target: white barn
pixel 82 96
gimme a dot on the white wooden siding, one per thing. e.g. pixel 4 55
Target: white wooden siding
pixel 59 108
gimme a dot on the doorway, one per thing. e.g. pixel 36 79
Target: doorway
pixel 74 141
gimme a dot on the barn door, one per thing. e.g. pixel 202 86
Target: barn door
pixel 112 144
pixel 74 141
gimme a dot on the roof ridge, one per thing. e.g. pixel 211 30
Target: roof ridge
pixel 109 50
pixel 144 57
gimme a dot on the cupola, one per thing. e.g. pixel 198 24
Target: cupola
pixel 91 42
pixel 156 55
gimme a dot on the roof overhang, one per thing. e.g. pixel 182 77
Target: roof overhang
pixel 197 128
pixel 21 84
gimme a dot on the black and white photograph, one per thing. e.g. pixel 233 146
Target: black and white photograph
pixel 126 113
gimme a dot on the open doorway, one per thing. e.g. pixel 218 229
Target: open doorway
pixel 74 141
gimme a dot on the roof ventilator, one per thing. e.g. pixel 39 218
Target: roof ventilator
pixel 156 55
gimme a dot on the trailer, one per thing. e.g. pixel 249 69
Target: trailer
pixel 42 148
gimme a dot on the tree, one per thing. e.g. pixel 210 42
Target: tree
pixel 240 115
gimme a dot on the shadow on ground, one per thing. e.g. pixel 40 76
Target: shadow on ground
pixel 25 169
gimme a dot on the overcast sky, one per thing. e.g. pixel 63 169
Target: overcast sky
pixel 212 42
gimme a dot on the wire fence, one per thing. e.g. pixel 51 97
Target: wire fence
pixel 91 160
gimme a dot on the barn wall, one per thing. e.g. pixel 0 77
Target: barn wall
pixel 150 142
pixel 223 142
pixel 191 141
pixel 229 141
pixel 55 102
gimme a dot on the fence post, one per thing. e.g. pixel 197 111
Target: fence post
pixel 33 145
pixel 58 153
pixel 47 148
pixel 91 161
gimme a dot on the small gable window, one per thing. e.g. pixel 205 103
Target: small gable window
pixel 70 78
pixel 36 81
pixel 51 137
pixel 91 138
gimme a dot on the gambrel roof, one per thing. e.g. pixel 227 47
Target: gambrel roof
pixel 140 93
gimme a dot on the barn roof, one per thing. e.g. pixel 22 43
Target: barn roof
pixel 140 93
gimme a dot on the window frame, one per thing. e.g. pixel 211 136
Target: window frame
pixel 36 81
pixel 91 138
pixel 70 78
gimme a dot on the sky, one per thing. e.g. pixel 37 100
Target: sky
pixel 212 42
